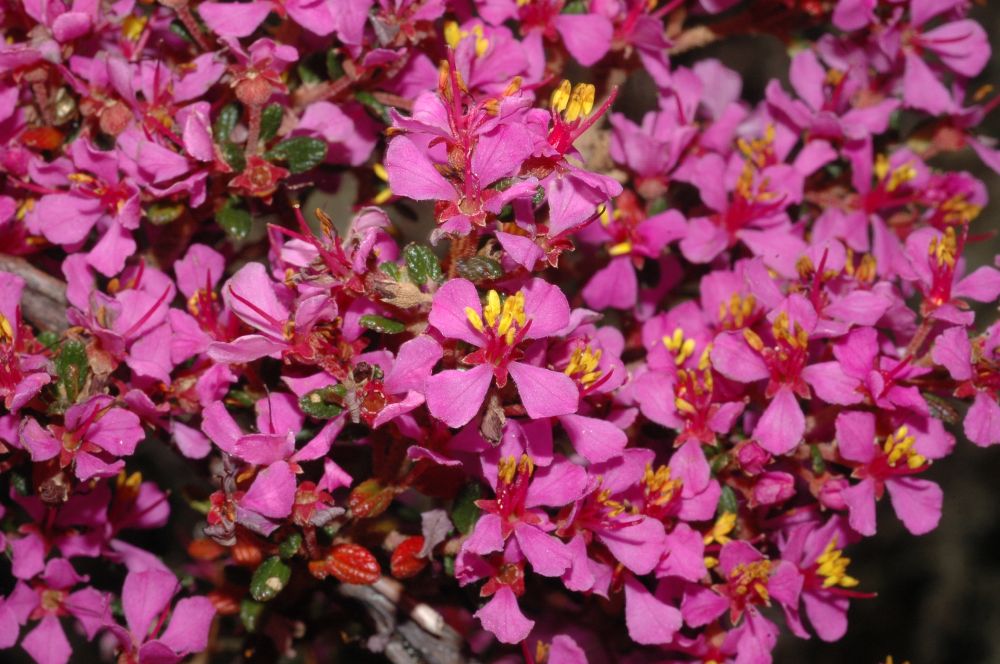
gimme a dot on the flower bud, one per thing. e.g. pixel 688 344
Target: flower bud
pixel 773 487
pixel 752 458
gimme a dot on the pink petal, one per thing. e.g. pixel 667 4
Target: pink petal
pixel 831 384
pixel 232 19
pixel 144 596
pixel 982 421
pixel 953 351
pixel 827 614
pixel 649 619
pixel 547 555
pixel 546 307
pixel 780 428
pixel 983 285
pixel 856 436
pixel 597 440
pixel 639 546
pixel 734 359
pixel 917 503
pixel 414 362
pixel 522 250
pixel 47 643
pixel 411 173
pixel 614 285
pixel 486 536
pixel 448 311
pixel 554 486
pixel 189 625
pixel 860 501
pixel 503 617
pixel 272 492
pixel 544 393
pixel 587 37
pixel 454 396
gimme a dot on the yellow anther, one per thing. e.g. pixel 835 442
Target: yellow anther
pixel 957 210
pixel 541 651
pixel 6 331
pixel 603 215
pixel 867 269
pixel 289 330
pixel 583 363
pixel 834 76
pixel 753 339
pixel 721 529
pixel 658 486
pixel 492 309
pixel 581 101
pixel 944 250
pixel 983 92
pixel 513 86
pixel 474 318
pixel 833 567
pixel 380 172
pixel 620 249
pixel 684 406
pixel 560 96
pixel 711 562
pixel 705 361
pixel 881 166
pixel 81 178
pixel 133 26
pixel 506 469
pixel 482 43
pixel 382 196
pixel 899 446
pixel 452 33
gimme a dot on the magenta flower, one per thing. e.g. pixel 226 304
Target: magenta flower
pixel 22 373
pixel 146 598
pixel 978 369
pixel 891 466
pixel 498 330
pixel 46 599
pixel 91 440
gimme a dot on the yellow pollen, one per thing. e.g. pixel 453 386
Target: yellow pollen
pixel 26 206
pixel 603 215
pixel 899 447
pixel 833 567
pixel 897 176
pixel 945 249
pixel 581 102
pixel 679 346
pixel 957 210
pixel 753 339
pixel 513 86
pixel 721 529
pixel 752 576
pixel 289 330
pixel 583 364
pixel 834 76
pixel 658 488
pixel 620 249
pixel 133 26
pixel 541 651
pixel 506 469
pixel 474 318
pixel 380 172
pixel 560 96
pixel 6 331
pixel 452 33
pixel 616 507
pixel 81 178
pixel 684 406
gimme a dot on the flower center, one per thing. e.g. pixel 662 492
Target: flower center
pixel 832 567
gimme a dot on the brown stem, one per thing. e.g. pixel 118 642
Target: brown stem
pixel 44 301
pixel 918 339
pixel 253 137
pixel 187 18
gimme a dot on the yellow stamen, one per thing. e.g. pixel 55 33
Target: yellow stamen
pixel 721 529
pixel 833 567
pixel 474 318
pixel 560 97
pixel 620 249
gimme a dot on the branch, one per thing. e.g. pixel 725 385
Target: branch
pixel 44 301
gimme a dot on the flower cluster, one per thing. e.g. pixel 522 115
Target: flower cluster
pixel 606 383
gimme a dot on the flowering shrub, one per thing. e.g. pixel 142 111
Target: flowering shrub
pixel 604 382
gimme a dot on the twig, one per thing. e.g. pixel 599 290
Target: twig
pixel 44 301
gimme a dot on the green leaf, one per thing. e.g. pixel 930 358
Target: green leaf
pixel 290 546
pixel 269 579
pixel 163 212
pixel 382 324
pixel 19 483
pixel 226 122
pixel 479 268
pixel 178 29
pixel 369 101
pixel 575 7
pixel 307 75
pixel 234 220
pixel 270 121
pixel 465 513
pixel 391 269
pixel 333 67
pixel 727 501
pixel 241 397
pixel 302 153
pixel 250 612
pixel 421 263
pixel 48 338
pixel 656 206
pixel 818 464
pixel 72 369
pixel 324 403
pixel 233 155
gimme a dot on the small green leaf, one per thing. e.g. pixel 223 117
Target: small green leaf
pixel 48 338
pixel 269 579
pixel 233 155
pixel 234 220
pixel 369 101
pixel 290 546
pixel 449 565
pixel 72 369
pixel 391 269
pixel 324 403
pixel 178 29
pixel 421 264
pixel 301 153
pixel 382 324
pixel 818 464
pixel 333 67
pixel 479 268
pixel 270 121
pixel 727 501
pixel 538 197
pixel 307 75
pixel 250 612
pixel 575 7
pixel 656 206
pixel 465 513
pixel 226 122
pixel 163 212
pixel 241 397
pixel 19 483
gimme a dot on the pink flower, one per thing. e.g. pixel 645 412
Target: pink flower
pixel 976 365
pixel 891 466
pixel 498 331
